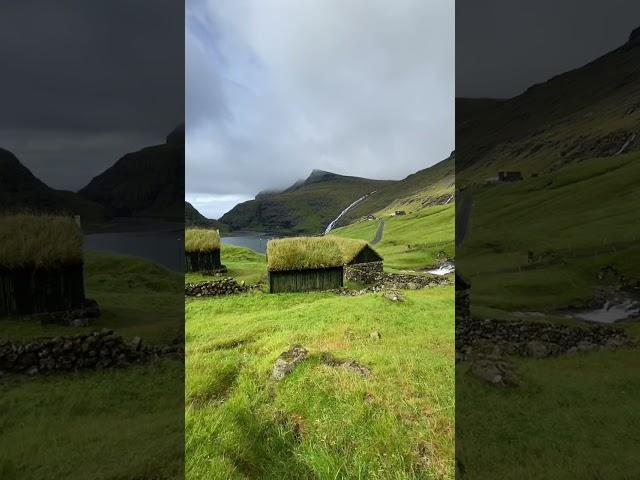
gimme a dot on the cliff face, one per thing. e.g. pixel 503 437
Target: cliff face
pixel 149 182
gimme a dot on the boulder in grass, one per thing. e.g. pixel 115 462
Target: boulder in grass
pixel 288 361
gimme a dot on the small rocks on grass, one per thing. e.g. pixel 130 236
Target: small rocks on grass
pixel 393 296
pixel 352 365
pixel 375 335
pixel 288 361
pixel 496 372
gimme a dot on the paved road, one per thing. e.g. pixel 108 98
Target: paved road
pixel 462 219
pixel 379 233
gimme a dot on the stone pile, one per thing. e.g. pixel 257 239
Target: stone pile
pixel 97 350
pixel 532 339
pixel 226 286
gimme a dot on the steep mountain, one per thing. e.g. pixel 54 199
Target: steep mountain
pixel 193 218
pixel 592 111
pixel 434 185
pixel 149 182
pixel 307 206
pixel 21 190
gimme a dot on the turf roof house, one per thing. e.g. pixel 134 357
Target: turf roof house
pixel 41 265
pixel 304 264
pixel 202 250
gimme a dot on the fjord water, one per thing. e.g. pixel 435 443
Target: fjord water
pixel 252 240
pixel 164 248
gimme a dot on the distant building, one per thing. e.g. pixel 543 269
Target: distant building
pixel 400 212
pixel 515 176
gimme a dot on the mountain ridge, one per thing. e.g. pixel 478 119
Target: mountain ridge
pixel 309 205
pixel 148 182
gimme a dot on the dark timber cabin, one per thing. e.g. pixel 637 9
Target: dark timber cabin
pixel 304 264
pixel 41 265
pixel 509 176
pixel 202 250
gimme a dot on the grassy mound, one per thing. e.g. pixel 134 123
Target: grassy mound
pixel 302 253
pixel 321 421
pixel 201 240
pixel 39 241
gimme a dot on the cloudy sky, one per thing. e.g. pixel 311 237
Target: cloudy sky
pixel 83 82
pixel 505 46
pixel 276 88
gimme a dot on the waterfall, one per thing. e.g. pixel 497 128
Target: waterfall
pixel 343 212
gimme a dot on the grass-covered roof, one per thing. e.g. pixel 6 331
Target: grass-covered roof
pixel 201 240
pixel 303 253
pixel 350 247
pixel 30 240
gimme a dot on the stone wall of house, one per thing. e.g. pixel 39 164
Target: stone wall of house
pixel 225 286
pixel 97 350
pixel 363 272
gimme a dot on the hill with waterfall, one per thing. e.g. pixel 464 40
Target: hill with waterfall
pixel 309 206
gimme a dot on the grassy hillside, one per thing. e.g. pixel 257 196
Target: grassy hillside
pixel 428 187
pixel 307 207
pixel 412 242
pixel 538 246
pixel 589 112
pixel 321 421
pixel 102 424
pixel 575 222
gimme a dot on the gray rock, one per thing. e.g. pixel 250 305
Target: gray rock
pixel 288 361
pixel 375 335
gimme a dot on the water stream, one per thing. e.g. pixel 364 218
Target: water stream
pixel 344 212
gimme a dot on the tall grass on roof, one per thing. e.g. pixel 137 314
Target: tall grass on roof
pixel 349 247
pixel 201 240
pixel 303 253
pixel 40 241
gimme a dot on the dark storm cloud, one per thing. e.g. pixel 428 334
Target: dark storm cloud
pixel 276 88
pixel 85 82
pixel 505 46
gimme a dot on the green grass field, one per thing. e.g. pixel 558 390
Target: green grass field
pixel 410 242
pixel 123 424
pixel 575 222
pixel 320 422
pixel 572 415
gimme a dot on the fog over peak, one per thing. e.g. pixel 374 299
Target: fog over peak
pixel 276 89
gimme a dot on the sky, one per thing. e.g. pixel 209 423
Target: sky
pixel 83 83
pixel 277 88
pixel 505 46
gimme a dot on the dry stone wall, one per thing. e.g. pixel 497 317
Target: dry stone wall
pixel 97 350
pixel 226 286
pixel 363 272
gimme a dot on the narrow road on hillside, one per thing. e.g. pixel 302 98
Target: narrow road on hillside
pixel 379 233
pixel 462 219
